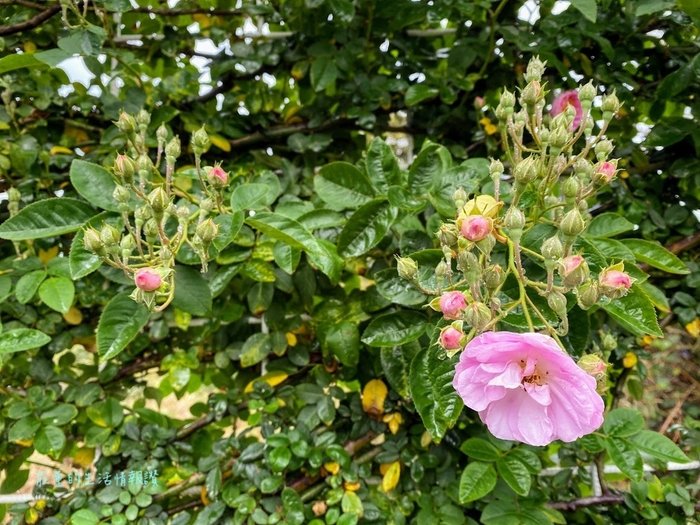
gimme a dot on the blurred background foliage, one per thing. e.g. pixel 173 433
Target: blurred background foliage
pixel 284 88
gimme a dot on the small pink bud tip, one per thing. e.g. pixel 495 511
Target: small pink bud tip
pixel 475 227
pixel 450 337
pixel 147 279
pixel 218 176
pixel 570 263
pixel 615 279
pixel 564 100
pixel 452 304
pixel 606 170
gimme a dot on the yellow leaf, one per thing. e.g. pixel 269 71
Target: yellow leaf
pixel 46 255
pixel 84 457
pixel 332 467
pixel 203 495
pixel 394 421
pixel 373 397
pixel 291 339
pixel 623 175
pixel 482 205
pixel 647 340
pixel 31 516
pixel 220 142
pixel 61 150
pixel 352 486
pixel 693 327
pixel 425 439
pixel 40 504
pixel 271 378
pixel 182 319
pixel 79 135
pixel 629 360
pixel 391 477
pixel 73 316
pixel 29 47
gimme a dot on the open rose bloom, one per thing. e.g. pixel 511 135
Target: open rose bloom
pixel 525 388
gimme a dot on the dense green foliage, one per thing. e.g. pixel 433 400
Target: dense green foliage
pixel 303 293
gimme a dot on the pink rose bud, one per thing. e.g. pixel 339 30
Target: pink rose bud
pixel 217 176
pixel 147 279
pixel 605 171
pixel 563 101
pixel 573 270
pixel 479 103
pixel 452 304
pixel 614 283
pixel 475 227
pixel 450 337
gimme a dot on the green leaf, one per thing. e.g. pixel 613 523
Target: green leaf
pixel 25 428
pixel 635 313
pixel 658 446
pixel 323 73
pixel 435 398
pixel 20 339
pixel 382 167
pixel 514 512
pixel 653 254
pixel 426 169
pixel 655 295
pixel 106 414
pixel 417 93
pixel 343 341
pixel 279 458
pixel 192 293
pixel 84 517
pixel 623 422
pixel 50 440
pixel 627 459
pixel 28 284
pixel 477 480
pixel 366 228
pixel 397 290
pixel 121 321
pixel 649 7
pixel 255 349
pixel 394 328
pixel 252 196
pixel 469 176
pixel 57 293
pixel 81 261
pixel 515 474
pixel 480 449
pixel 94 184
pixel 15 61
pixel 396 364
pixel 608 225
pixel 59 415
pixel 46 218
pixel 341 185
pixel 295 235
pixel 588 8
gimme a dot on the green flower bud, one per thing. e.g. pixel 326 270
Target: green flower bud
pixel 127 246
pixel 206 205
pixel 407 268
pixel 182 212
pixel 603 149
pixel 486 244
pixel 535 69
pixel 14 195
pixel 559 136
pixel 557 302
pixel 158 201
pixel 514 219
pixel 610 106
pixel 448 234
pixel 571 187
pixel 494 276
pixel 468 262
pixel 586 94
pixel 126 123
pixel 552 248
pixel 460 198
pixel 545 135
pixel 508 100
pixel 121 194
pixel 172 150
pixel 207 230
pixel 572 224
pixel 124 168
pixel 478 315
pixel 442 271
pixel 531 94
pixel 495 168
pixel 143 119
pixel 587 295
pixel 583 168
pixel 162 134
pixel 144 165
pixel 110 236
pixel 150 229
pixel 200 141
pixel 526 171
pixel 92 241
pixel 609 342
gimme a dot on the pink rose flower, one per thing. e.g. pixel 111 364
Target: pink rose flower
pixel 563 101
pixel 605 170
pixel 452 304
pixel 527 389
pixel 217 176
pixel 147 279
pixel 450 337
pixel 475 227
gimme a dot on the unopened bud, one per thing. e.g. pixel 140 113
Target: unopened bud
pixel 573 270
pixel 610 106
pixel 162 134
pixel 495 168
pixel 158 201
pixel 508 100
pixel 450 338
pixel 583 168
pixel 452 304
pixel 526 171
pixel 468 262
pixel 475 227
pixel 143 119
pixel 206 205
pixel 552 248
pixel 147 279
pixel 535 69
pixel 442 271
pixel 559 136
pixel 460 198
pixel 448 234
pixel 531 94
pixel 572 224
pixel 150 229
pixel 200 141
pixel 207 230
pixel 614 283
pixel 121 194
pixel 557 302
pixel 604 172
pixel 514 219
pixel 587 295
pixel 92 242
pixel 407 268
pixel 144 165
pixel 477 315
pixel 182 212
pixel 592 365
pixel 14 195
pixel 110 236
pixel 603 149
pixel 172 149
pixel 126 123
pixel 586 94
pixel 571 187
pixel 124 168
pixel 494 276
pixel 217 177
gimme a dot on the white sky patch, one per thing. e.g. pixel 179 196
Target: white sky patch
pixel 642 132
pixel 76 70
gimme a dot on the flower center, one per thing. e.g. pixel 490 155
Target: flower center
pixel 532 374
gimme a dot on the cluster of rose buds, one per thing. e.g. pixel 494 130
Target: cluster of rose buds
pixel 551 177
pixel 157 217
